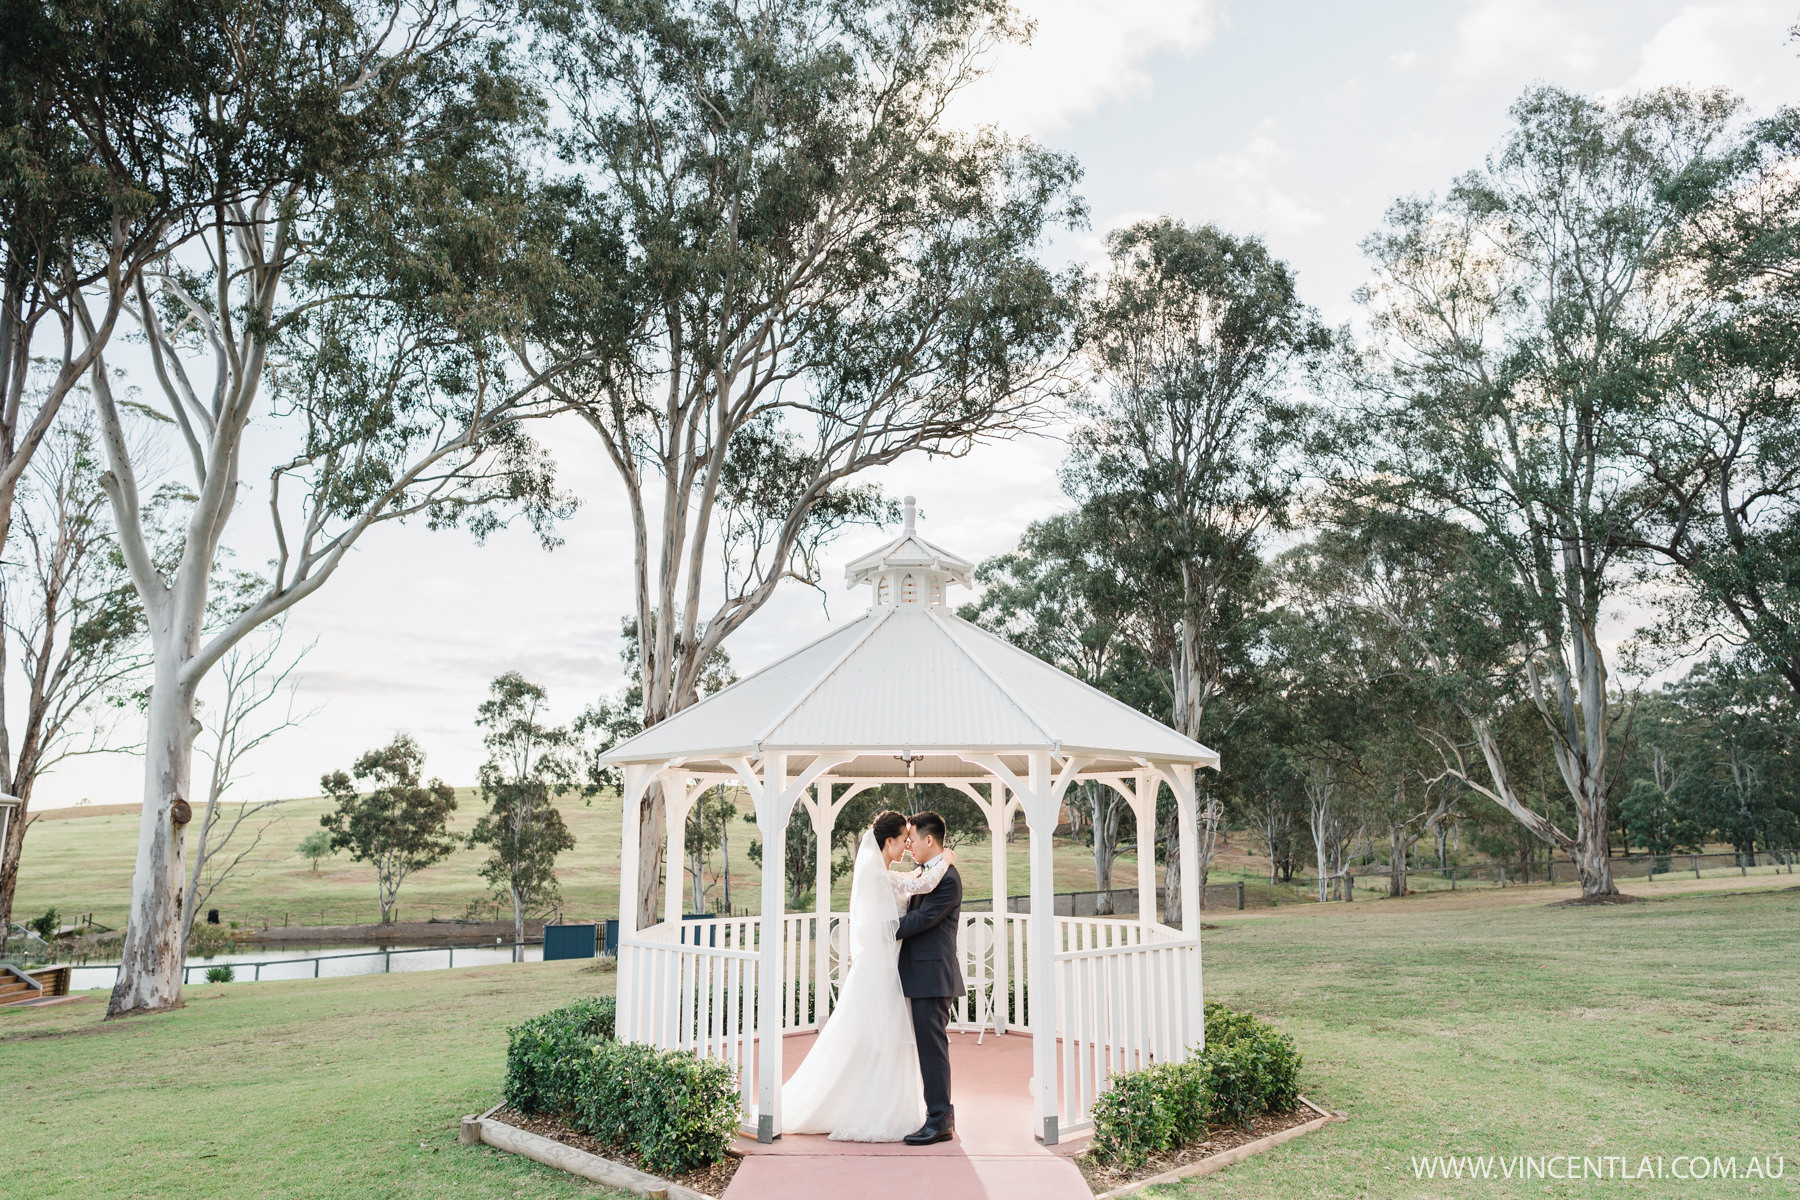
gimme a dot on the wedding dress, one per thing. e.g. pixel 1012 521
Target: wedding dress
pixel 860 1082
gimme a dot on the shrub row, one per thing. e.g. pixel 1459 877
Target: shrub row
pixel 678 1111
pixel 1247 1068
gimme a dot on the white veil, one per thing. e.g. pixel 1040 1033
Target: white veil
pixel 873 915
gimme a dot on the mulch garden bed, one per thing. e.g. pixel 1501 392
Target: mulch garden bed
pixel 709 1181
pixel 1102 1179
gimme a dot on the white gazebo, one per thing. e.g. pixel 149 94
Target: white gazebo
pixel 909 691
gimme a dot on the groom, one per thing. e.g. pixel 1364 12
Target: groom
pixel 931 976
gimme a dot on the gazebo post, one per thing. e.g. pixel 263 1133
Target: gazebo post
pixel 823 814
pixel 637 779
pixel 1144 787
pixel 1040 817
pixel 771 986
pixel 677 799
pixel 997 822
pixel 1181 779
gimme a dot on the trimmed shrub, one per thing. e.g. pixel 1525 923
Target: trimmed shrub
pixel 1187 1094
pixel 687 1112
pixel 1132 1119
pixel 677 1110
pixel 1247 1068
pixel 543 1054
pixel 1252 1068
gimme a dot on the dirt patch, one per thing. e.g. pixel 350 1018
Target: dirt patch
pixel 709 1181
pixel 1590 901
pixel 1102 1179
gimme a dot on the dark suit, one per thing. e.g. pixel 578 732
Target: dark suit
pixel 931 977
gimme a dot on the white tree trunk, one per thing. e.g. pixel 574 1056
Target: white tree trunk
pixel 150 976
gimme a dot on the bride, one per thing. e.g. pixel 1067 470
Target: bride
pixel 860 1082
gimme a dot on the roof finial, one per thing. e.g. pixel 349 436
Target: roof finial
pixel 912 510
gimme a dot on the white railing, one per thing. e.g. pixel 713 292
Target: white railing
pixel 1126 992
pixel 1126 996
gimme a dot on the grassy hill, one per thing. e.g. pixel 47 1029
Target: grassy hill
pixel 79 860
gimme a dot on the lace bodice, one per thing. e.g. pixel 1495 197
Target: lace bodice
pixel 916 882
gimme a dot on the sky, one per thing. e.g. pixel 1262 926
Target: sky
pixel 1300 122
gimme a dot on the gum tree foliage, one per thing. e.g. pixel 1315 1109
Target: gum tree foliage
pixel 99 107
pixel 1512 321
pixel 790 269
pixel 1721 460
pixel 351 304
pixel 1059 596
pixel 1186 450
pixel 399 824
pixel 530 763
pixel 1712 760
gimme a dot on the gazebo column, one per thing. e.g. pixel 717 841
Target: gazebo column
pixel 823 813
pixel 1040 818
pixel 678 798
pixel 772 814
pixel 1144 787
pixel 637 780
pixel 1181 779
pixel 997 822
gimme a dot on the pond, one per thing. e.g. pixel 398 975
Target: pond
pixel 323 962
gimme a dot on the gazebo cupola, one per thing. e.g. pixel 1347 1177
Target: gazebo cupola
pixel 909 570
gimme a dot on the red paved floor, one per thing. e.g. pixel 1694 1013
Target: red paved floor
pixel 994 1155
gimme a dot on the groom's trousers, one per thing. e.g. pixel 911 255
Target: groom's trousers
pixel 931 1030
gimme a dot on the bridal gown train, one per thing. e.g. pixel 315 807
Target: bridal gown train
pixel 860 1082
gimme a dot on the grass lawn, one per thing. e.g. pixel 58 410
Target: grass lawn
pixel 81 862
pixel 1480 1024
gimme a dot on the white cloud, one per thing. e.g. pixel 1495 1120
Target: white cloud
pixel 1241 189
pixel 1496 37
pixel 1084 54
pixel 1737 45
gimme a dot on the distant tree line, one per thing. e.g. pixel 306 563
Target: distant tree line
pixel 1398 577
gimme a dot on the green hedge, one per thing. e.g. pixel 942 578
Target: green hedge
pixel 542 1054
pixel 678 1111
pixel 1247 1068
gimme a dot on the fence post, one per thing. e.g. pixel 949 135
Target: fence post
pixel 1740 858
pixel 315 968
pixel 1453 879
pixel 1550 866
pixel 1651 864
pixel 1240 895
pixel 1696 866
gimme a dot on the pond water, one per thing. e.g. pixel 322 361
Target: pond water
pixel 323 962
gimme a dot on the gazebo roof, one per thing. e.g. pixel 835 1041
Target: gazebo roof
pixel 910 677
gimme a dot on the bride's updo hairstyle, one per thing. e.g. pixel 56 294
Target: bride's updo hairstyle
pixel 889 824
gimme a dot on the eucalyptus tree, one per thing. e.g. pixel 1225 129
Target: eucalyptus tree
pixel 1187 449
pixel 1188 446
pixel 792 269
pixel 364 272
pixel 1058 595
pixel 399 824
pixel 1721 462
pixel 71 629
pixel 530 764
pixel 1513 321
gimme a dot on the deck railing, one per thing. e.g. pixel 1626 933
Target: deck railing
pixel 1126 991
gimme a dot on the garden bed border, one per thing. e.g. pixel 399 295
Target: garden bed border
pixel 1226 1158
pixel 488 1129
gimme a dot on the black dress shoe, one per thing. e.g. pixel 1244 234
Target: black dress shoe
pixel 930 1135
